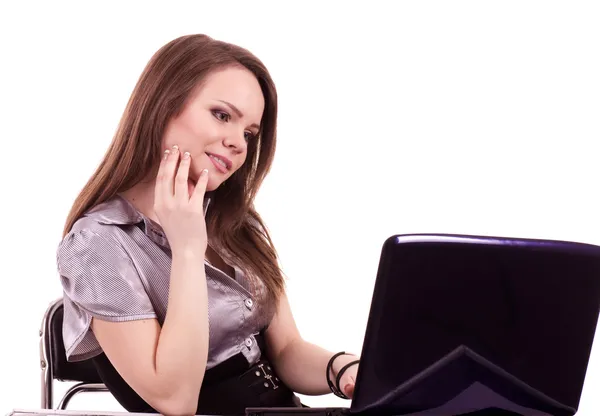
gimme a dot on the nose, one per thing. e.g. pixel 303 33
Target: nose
pixel 236 142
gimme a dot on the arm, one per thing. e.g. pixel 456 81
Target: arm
pixel 165 366
pixel 300 364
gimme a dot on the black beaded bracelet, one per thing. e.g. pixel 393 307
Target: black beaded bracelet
pixel 341 372
pixel 335 390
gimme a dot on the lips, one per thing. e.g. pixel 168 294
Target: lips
pixel 221 162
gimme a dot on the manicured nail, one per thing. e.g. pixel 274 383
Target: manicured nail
pixel 166 154
pixel 175 147
pixel 205 171
pixel 186 155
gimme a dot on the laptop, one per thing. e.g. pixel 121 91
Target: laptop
pixel 474 325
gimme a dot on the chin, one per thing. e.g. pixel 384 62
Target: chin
pixel 212 185
pixel 211 188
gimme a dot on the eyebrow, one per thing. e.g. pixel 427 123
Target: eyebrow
pixel 238 112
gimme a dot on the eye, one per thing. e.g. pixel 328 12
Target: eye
pixel 221 115
pixel 248 135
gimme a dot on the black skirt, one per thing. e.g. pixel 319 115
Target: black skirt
pixel 227 389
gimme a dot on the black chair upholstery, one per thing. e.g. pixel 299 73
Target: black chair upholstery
pixel 63 370
pixel 55 366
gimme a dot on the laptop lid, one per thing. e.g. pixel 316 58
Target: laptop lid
pixel 462 323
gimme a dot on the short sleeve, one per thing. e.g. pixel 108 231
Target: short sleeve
pixel 99 280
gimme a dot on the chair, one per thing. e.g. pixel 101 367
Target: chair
pixel 54 362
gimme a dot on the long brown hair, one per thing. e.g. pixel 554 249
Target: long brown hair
pixel 161 93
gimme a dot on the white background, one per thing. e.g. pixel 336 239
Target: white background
pixel 473 117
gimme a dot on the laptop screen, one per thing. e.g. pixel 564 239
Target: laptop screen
pixel 527 307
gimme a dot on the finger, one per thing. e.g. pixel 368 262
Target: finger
pixel 198 196
pixel 181 178
pixel 160 175
pixel 168 176
pixel 349 390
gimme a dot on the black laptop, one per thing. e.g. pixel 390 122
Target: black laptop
pixel 471 325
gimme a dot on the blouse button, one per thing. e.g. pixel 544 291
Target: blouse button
pixel 249 303
pixel 248 342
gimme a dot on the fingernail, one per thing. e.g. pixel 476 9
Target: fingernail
pixel 175 147
pixel 186 155
pixel 205 171
pixel 166 154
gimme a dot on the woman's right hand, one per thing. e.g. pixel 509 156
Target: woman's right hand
pixel 165 363
pixel 180 211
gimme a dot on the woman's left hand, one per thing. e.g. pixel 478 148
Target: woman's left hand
pixel 348 380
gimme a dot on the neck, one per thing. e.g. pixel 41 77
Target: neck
pixel 141 196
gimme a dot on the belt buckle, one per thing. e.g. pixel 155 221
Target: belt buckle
pixel 267 376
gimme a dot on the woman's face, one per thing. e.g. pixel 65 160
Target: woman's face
pixel 217 123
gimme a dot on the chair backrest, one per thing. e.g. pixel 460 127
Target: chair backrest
pixel 54 354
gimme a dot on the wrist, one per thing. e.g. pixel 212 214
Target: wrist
pixel 189 253
pixel 336 367
pixel 341 361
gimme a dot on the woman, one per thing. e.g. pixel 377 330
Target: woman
pixel 171 282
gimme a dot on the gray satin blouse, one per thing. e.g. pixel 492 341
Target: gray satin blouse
pixel 115 265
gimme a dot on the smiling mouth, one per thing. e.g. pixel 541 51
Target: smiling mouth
pixel 221 164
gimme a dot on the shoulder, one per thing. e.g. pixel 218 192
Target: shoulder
pixel 99 230
pixel 116 211
pixel 93 259
pixel 90 239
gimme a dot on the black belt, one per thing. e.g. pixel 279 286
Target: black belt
pixel 231 386
pixel 259 386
